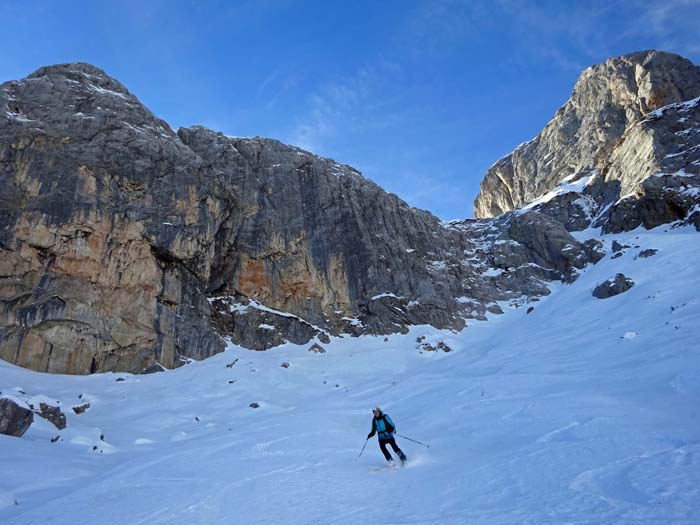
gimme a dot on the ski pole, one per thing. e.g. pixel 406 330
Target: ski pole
pixel 363 448
pixel 413 440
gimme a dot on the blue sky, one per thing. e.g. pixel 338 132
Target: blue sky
pixel 422 97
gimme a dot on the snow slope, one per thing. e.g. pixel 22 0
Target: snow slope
pixel 583 411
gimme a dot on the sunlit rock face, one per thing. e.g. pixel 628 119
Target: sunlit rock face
pixel 597 132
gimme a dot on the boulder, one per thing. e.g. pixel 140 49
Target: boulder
pixel 53 414
pixel 81 408
pixel 441 345
pixel 649 252
pixel 617 247
pixel 317 349
pixel 615 286
pixel 15 420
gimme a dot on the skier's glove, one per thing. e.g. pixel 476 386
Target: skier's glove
pixel 369 436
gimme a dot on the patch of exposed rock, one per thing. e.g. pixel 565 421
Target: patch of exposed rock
pixel 615 286
pixel 53 414
pixel 15 420
pixel 317 349
pixel 258 327
pixel 81 408
pixel 440 346
pixel 649 252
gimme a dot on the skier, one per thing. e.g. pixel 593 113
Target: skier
pixel 383 424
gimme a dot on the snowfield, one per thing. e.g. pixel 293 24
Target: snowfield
pixel 582 411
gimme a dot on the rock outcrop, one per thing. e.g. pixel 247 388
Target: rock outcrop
pixel 612 287
pixel 80 409
pixel 15 420
pixel 611 135
pixel 53 414
pixel 649 252
pixel 127 246
pixel 659 183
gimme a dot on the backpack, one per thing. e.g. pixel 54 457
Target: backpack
pixel 388 426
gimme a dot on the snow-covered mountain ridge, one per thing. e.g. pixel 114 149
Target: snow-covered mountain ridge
pixel 579 411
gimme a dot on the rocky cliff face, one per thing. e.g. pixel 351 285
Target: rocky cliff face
pixel 93 275
pixel 612 128
pixel 657 168
pixel 125 245
pixel 651 177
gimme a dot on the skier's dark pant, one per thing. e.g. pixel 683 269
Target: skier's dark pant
pixel 384 442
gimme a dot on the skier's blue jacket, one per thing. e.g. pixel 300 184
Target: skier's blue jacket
pixel 384 425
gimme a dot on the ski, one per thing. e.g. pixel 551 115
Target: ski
pixel 393 466
pixel 384 469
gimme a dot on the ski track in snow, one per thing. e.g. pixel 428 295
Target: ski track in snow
pixel 557 416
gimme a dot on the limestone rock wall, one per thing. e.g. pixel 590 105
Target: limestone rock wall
pixel 93 273
pixel 608 102
pixel 124 244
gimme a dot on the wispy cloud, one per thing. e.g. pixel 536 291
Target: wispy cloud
pixel 433 27
pixel 277 84
pixel 673 23
pixel 568 35
pixel 350 104
pixel 602 29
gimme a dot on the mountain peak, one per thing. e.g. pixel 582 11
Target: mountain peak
pixel 608 100
pixel 68 69
pixel 83 73
pixel 647 55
